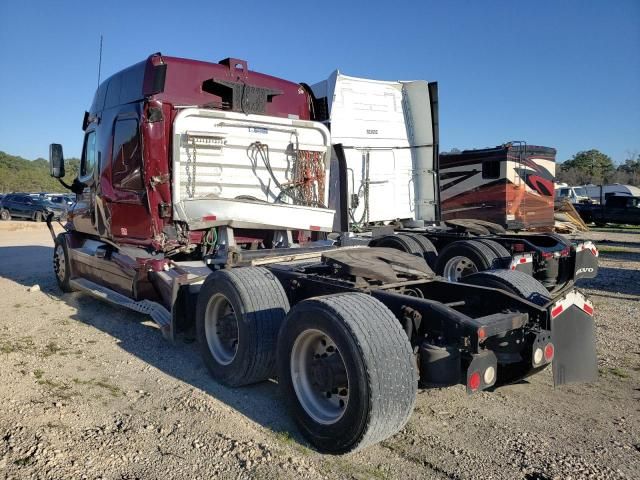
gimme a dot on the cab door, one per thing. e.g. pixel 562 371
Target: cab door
pixel 84 209
pixel 130 216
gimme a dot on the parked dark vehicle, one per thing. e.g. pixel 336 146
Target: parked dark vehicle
pixel 62 201
pixel 616 209
pixel 22 205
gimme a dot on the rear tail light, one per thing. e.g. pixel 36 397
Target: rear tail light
pixel 538 355
pixel 474 381
pixel 489 375
pixel 518 247
pixel 548 352
pixel 482 372
pixel 547 254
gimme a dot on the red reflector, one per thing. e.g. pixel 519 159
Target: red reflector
pixel 547 254
pixel 482 334
pixel 556 311
pixel 209 218
pixel 588 309
pixel 548 352
pixel 314 228
pixel 474 381
pixel 594 250
pixel 523 260
pixel 518 247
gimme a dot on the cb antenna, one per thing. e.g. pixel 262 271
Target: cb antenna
pixel 100 61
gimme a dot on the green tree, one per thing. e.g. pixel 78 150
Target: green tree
pixel 18 174
pixel 593 164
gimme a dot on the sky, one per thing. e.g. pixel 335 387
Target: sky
pixel 559 73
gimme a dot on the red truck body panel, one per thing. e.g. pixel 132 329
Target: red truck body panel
pixel 151 92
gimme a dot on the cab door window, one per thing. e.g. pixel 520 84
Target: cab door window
pixel 88 163
pixel 126 173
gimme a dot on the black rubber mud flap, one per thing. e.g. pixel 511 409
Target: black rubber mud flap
pixel 574 339
pixel 586 263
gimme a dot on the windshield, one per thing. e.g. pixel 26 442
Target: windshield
pixel 581 192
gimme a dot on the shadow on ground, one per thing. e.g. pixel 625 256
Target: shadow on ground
pixel 262 403
pixel 624 281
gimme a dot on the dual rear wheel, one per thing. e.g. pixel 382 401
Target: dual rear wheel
pixel 343 362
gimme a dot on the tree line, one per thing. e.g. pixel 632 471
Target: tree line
pixel 593 166
pixel 18 174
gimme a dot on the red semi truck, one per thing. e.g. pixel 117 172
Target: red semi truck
pixel 202 202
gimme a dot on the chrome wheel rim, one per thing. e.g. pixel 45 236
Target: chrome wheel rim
pixel 59 264
pixel 458 267
pixel 319 377
pixel 221 329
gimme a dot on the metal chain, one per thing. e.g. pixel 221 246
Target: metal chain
pixel 191 179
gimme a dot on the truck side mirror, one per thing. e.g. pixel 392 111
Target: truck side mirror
pixel 56 160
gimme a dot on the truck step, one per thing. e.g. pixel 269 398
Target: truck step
pixel 160 314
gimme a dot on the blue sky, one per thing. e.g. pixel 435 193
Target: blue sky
pixel 562 73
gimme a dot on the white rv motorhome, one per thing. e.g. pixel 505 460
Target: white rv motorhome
pixel 598 193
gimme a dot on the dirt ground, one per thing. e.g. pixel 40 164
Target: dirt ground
pixel 92 391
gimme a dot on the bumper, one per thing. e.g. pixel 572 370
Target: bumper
pixel 563 337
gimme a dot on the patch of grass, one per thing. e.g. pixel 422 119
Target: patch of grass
pixel 285 439
pixel 51 348
pixel 358 472
pixel 53 384
pixel 24 461
pixel 38 374
pixel 614 249
pixel 113 390
pixel 23 344
pixel 618 372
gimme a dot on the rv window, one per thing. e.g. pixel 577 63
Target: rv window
pixel 88 162
pixel 126 171
pixel 564 192
pixel 490 169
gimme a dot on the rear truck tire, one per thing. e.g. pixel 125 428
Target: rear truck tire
pixel 61 264
pixel 5 215
pixel 465 257
pixel 504 257
pixel 402 242
pixel 429 250
pixel 347 371
pixel 512 281
pixel 238 316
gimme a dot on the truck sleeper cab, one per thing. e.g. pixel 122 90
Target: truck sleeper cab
pixel 209 218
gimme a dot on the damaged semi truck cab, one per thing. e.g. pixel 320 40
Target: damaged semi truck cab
pixel 204 199
pixel 402 193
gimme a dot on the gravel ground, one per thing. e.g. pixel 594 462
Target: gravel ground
pixel 92 391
